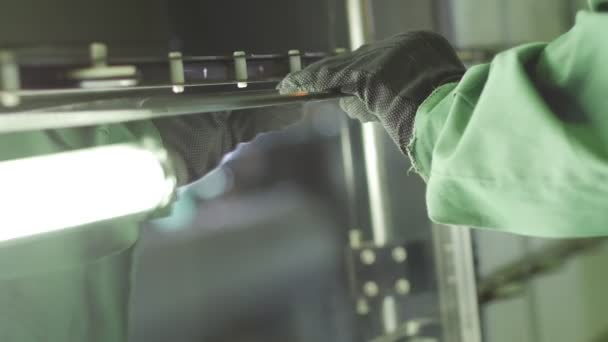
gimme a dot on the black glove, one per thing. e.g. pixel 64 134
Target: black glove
pixel 389 79
pixel 197 143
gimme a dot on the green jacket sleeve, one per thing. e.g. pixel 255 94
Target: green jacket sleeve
pixel 521 144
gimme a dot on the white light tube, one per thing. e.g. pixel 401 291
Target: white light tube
pixel 69 189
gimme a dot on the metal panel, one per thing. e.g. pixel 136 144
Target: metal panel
pixel 458 291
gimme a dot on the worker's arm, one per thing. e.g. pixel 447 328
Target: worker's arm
pixel 521 145
pixel 518 145
pixel 197 143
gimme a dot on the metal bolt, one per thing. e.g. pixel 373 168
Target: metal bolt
pixel 371 289
pixel 99 54
pixel 295 60
pixel 362 306
pixel 368 257
pixel 402 286
pixel 354 237
pixel 176 68
pixel 240 68
pixel 399 254
pixel 10 81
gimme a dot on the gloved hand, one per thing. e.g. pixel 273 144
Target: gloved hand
pixel 389 79
pixel 197 143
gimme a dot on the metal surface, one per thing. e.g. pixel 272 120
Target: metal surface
pixel 147 107
pixel 457 285
pixel 361 32
pixel 62 69
pixel 34 79
pixel 176 69
pixel 240 68
pixel 397 269
pixel 51 97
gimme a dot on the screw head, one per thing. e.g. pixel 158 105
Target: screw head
pixel 399 254
pixel 402 286
pixel 175 55
pixel 362 307
pixel 368 257
pixel 371 289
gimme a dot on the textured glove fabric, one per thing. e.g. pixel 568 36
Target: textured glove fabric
pixel 197 143
pixel 389 79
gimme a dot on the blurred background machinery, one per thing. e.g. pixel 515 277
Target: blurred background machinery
pixel 317 233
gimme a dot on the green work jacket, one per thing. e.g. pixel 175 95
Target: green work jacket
pixel 521 144
pixel 518 145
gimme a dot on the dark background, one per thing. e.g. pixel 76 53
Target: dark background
pixel 200 27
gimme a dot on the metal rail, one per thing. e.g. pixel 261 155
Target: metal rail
pixel 507 281
pixel 153 106
pixel 456 281
pixel 64 92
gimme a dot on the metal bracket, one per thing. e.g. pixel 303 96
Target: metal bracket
pixel 396 269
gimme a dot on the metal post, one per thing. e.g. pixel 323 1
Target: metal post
pixel 457 287
pixel 9 80
pixel 176 68
pixel 361 32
